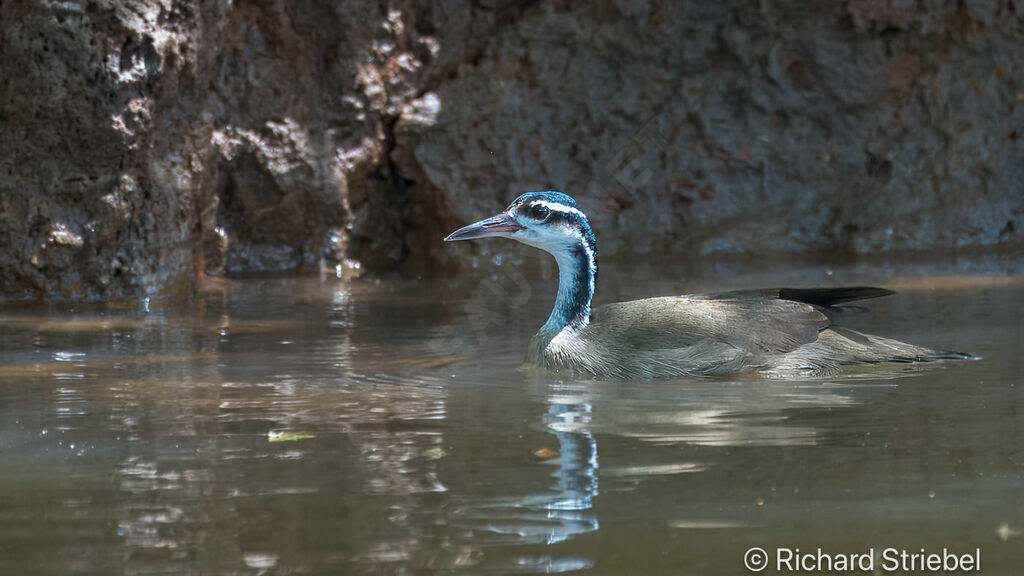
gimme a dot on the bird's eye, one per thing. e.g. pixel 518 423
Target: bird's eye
pixel 539 212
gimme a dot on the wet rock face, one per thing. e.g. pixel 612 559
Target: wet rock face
pixel 147 141
pixel 747 127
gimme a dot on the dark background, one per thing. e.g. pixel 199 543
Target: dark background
pixel 147 142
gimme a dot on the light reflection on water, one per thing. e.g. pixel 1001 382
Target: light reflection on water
pixel 290 426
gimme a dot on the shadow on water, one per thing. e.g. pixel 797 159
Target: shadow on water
pixel 301 425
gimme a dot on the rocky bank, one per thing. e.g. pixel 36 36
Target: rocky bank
pixel 146 142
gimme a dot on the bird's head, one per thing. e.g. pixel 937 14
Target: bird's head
pixel 550 221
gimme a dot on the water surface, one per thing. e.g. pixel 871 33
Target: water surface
pixel 316 426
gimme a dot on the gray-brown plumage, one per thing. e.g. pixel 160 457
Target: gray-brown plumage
pixel 716 334
pixel 777 331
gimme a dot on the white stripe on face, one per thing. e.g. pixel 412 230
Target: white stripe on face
pixel 556 207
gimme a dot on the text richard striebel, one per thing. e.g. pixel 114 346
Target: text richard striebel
pixel 886 560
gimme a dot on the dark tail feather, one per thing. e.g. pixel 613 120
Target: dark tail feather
pixel 826 297
pixel 948 355
pixel 935 356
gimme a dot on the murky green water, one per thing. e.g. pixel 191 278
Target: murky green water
pixel 311 426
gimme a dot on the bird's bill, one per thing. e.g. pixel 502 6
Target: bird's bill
pixel 498 226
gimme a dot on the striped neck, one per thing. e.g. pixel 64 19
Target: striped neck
pixel 577 277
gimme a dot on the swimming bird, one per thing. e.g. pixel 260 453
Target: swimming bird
pixel 772 331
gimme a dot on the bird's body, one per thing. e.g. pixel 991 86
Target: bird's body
pixel 774 331
pixel 717 334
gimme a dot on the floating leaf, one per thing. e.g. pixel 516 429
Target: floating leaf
pixel 279 436
pixel 545 453
pixel 435 453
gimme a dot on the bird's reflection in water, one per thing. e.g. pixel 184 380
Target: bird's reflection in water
pixel 569 418
pixel 555 515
